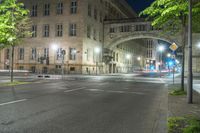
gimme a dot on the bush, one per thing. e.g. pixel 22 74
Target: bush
pixel 183 125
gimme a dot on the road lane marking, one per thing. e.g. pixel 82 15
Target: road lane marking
pixel 74 89
pixel 122 92
pixel 12 102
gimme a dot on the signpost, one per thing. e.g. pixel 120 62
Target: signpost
pixel 173 47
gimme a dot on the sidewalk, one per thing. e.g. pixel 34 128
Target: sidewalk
pixel 178 107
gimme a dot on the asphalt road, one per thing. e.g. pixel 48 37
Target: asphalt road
pixel 97 105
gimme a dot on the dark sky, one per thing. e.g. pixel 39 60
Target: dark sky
pixel 139 5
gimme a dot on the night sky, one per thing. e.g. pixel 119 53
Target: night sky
pixel 139 5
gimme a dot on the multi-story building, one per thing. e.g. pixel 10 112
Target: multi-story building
pixel 152 55
pixel 65 33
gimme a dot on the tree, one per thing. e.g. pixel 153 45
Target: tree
pixel 171 17
pixel 14 25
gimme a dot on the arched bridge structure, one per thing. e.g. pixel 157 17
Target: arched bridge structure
pixel 119 31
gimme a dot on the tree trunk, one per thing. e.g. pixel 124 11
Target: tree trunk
pixel 183 68
pixel 183 57
pixel 12 64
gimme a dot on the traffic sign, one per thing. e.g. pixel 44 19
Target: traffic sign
pixel 173 47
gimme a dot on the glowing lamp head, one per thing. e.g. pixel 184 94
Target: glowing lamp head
pixel 54 47
pixel 128 56
pixel 161 48
pixel 198 45
pixel 97 50
pixel 139 58
pixel 168 55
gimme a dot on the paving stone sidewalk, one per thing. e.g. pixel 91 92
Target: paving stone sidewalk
pixel 178 107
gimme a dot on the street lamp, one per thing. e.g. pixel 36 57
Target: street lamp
pixel 63 53
pixel 198 45
pixel 97 51
pixel 128 56
pixel 139 58
pixel 161 48
pixel 168 55
pixel 54 48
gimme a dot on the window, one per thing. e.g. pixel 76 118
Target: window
pixel 46 30
pixel 59 30
pixel 46 52
pixel 72 29
pixel 72 68
pixel 33 53
pixel 113 56
pixel 34 11
pixel 101 17
pixel 89 10
pixel 34 30
pixel 73 6
pixel 125 28
pixel 21 67
pixel 88 31
pixel 59 8
pixel 95 14
pixel 33 69
pixel 46 9
pixel 100 37
pixel 21 53
pixel 117 57
pixel 87 56
pixel 72 54
pixel 59 53
pixel 112 30
pixel 95 35
pixel 140 28
pixel 58 66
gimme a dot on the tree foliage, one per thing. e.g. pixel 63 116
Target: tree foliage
pixel 170 15
pixel 14 23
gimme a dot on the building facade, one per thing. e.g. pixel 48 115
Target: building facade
pixel 65 35
pixel 152 54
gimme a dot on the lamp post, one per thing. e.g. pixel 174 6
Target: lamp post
pixel 169 57
pixel 139 59
pixel 161 49
pixel 97 51
pixel 54 47
pixel 190 75
pixel 128 56
pixel 63 52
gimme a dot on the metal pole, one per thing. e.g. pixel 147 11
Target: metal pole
pixel 161 65
pixel 173 73
pixel 190 76
pixel 63 64
pixel 96 67
pixel 96 64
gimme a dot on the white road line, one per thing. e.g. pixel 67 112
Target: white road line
pixel 110 91
pixel 12 102
pixel 74 89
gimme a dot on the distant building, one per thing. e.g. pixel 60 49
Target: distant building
pixel 152 54
pixel 75 26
